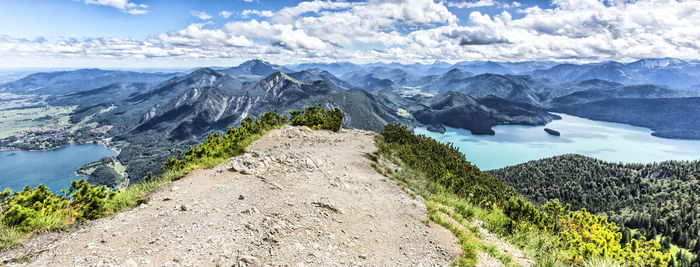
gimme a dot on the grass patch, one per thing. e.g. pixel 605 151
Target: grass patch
pixel 10 237
pixel 440 203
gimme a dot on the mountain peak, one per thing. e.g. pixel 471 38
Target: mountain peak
pixel 254 62
pixel 280 76
pixel 255 67
pixel 206 73
pixel 652 63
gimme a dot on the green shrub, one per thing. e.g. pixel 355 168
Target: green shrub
pixel 224 146
pixel 39 208
pixel 445 165
pixel 36 208
pixel 88 201
pixel 318 118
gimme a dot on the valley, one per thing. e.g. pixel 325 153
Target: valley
pixel 148 116
pixel 495 113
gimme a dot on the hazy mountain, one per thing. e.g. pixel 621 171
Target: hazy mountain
pixel 370 82
pixel 339 69
pixel 112 93
pixel 446 81
pixel 320 75
pixel 415 71
pixel 667 117
pixel 665 71
pixel 527 66
pixel 611 71
pixel 478 115
pixel 632 91
pixel 64 82
pixel 481 67
pixel 460 110
pixel 255 67
pixel 516 88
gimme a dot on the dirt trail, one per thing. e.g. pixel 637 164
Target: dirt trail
pixel 297 198
pixel 504 247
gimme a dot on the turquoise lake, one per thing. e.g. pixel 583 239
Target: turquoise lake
pixel 53 168
pixel 614 142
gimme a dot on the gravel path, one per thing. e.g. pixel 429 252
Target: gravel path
pixel 297 198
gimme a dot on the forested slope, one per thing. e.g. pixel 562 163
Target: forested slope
pixel 657 199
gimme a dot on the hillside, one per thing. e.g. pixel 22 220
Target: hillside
pixel 478 115
pixel 64 82
pixel 291 199
pixel 656 199
pixel 666 117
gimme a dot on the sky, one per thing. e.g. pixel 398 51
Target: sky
pixel 179 33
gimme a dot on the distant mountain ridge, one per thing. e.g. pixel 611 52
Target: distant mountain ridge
pixel 666 71
pixel 64 82
pixel 255 67
pixel 149 115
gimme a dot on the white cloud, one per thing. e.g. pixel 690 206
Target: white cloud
pixel 471 4
pixel 259 13
pixel 225 14
pixel 200 14
pixel 409 31
pixel 342 24
pixel 123 5
pixel 283 35
pixel 195 36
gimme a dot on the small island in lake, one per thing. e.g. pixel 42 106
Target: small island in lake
pixel 437 128
pixel 552 132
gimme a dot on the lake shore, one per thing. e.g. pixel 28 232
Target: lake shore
pixel 55 168
pixel 608 141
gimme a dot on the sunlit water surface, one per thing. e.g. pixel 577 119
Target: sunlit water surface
pixel 615 142
pixel 53 168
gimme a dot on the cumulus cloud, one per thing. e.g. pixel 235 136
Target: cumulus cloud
pixel 471 4
pixel 411 31
pixel 260 13
pixel 476 37
pixel 283 35
pixel 195 36
pixel 200 14
pixel 123 5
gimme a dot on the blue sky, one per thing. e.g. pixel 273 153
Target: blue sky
pixel 78 19
pixel 168 33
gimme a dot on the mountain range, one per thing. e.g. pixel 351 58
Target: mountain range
pixel 150 115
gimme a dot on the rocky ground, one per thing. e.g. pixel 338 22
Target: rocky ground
pixel 297 198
